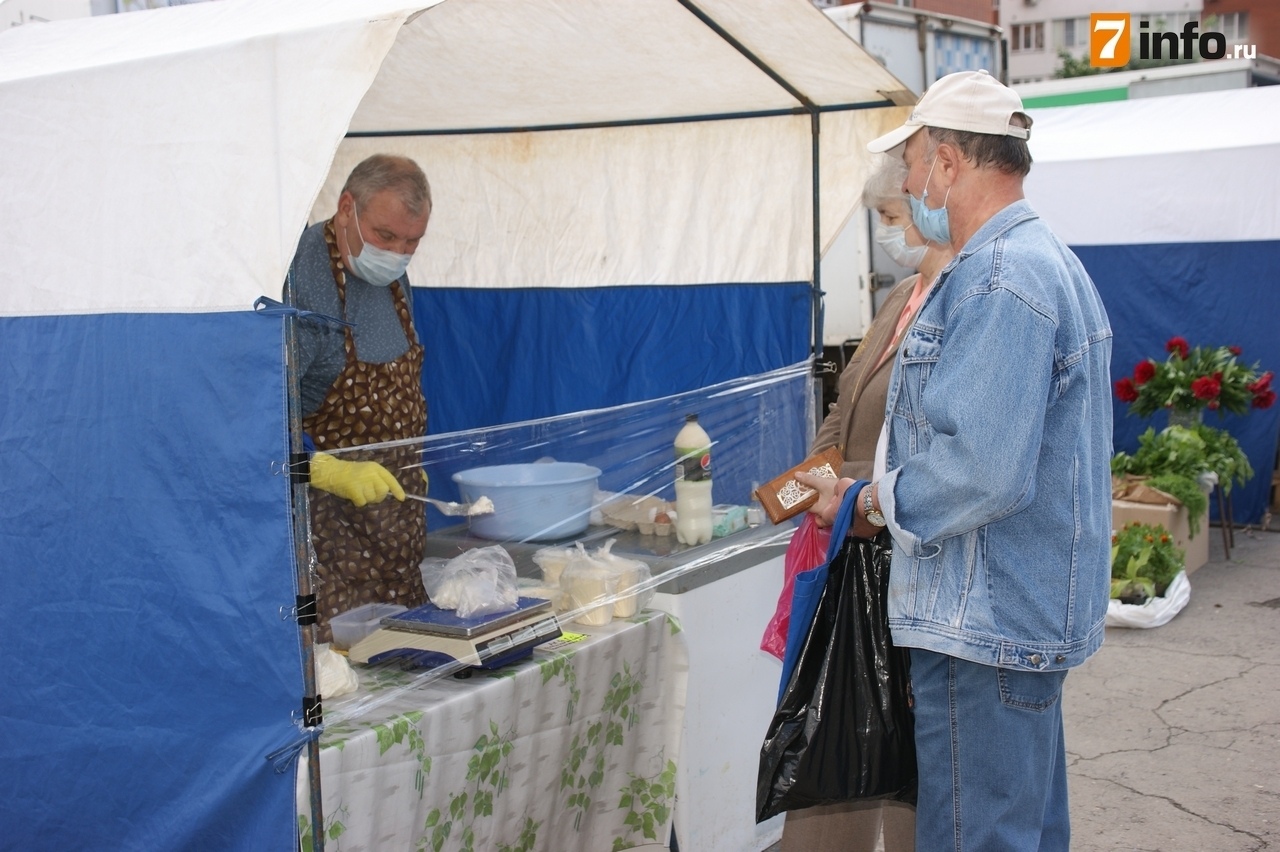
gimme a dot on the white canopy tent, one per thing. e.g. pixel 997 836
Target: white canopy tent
pixel 1170 202
pixel 208 131
pixel 158 169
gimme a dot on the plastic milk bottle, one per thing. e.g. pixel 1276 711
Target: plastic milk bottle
pixel 693 483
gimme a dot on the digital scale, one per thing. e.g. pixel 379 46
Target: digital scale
pixel 429 636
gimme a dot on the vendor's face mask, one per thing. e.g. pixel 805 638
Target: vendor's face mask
pixel 893 239
pixel 376 265
pixel 933 224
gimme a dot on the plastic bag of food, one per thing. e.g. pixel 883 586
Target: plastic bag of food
pixel 532 587
pixel 334 675
pixel 552 561
pixel 630 573
pixel 1156 611
pixel 478 582
pixel 586 581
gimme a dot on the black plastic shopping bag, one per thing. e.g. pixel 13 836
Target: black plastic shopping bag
pixel 843 727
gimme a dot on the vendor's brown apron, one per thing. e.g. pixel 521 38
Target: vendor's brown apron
pixel 370 554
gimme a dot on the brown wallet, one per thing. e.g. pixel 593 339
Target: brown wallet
pixel 782 497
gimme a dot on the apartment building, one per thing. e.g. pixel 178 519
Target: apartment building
pixel 974 10
pixel 1038 30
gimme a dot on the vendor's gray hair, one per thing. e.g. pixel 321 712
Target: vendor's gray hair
pixel 885 184
pixel 399 174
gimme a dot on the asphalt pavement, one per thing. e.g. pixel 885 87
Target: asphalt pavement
pixel 1173 732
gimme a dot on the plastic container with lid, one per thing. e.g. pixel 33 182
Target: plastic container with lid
pixel 355 624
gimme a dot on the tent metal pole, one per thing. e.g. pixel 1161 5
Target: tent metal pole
pixel 742 48
pixel 303 559
pixel 596 125
pixel 578 125
pixel 815 333
pixel 816 122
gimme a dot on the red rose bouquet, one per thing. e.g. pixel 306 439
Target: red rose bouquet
pixel 1191 380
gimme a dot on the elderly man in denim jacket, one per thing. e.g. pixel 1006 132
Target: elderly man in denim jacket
pixel 995 482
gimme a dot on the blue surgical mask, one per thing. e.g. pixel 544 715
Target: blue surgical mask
pixel 934 225
pixel 893 239
pixel 376 265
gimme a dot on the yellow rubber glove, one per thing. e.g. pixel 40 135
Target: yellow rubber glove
pixel 361 482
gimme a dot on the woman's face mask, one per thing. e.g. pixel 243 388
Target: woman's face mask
pixel 377 266
pixel 893 239
pixel 934 225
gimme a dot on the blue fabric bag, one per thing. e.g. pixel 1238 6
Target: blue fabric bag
pixel 808 587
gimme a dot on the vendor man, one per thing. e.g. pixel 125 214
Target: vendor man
pixel 361 385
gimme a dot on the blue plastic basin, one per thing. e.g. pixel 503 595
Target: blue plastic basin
pixel 531 502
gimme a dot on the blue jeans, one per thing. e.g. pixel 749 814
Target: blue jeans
pixel 992 759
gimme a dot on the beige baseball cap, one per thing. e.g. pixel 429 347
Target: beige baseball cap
pixel 973 101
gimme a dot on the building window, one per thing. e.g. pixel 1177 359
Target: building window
pixel 1071 32
pixel 1026 37
pixel 1233 25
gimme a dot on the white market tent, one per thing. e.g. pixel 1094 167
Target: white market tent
pixel 680 161
pixel 1170 202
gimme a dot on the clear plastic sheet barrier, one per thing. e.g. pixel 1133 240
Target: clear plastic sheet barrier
pixel 585 503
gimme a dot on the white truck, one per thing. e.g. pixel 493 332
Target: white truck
pixel 918 47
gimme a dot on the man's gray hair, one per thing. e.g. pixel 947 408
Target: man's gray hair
pixel 885 184
pixel 1007 154
pixel 401 175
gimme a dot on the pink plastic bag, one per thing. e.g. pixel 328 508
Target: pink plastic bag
pixel 807 550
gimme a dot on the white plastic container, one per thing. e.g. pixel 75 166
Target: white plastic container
pixel 630 573
pixel 355 624
pixel 552 561
pixel 693 483
pixel 588 587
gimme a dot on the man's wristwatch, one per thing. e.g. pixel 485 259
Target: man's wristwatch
pixel 873 517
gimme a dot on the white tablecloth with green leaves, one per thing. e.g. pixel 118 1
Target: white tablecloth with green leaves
pixel 575 749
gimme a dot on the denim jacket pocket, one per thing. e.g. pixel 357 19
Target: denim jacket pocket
pixel 919 354
pixel 922 345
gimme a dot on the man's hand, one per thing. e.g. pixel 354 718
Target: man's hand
pixel 362 482
pixel 830 496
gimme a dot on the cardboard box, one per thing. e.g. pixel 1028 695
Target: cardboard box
pixel 1171 517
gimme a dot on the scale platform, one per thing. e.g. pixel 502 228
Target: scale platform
pixel 430 636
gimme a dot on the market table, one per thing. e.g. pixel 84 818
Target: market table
pixel 574 749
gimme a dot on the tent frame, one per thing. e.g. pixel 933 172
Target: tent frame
pixel 300 508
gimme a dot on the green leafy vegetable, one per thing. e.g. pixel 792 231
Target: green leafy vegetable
pixel 1144 558
pixel 1186 452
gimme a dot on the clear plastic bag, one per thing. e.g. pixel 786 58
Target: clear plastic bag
pixel 1156 611
pixel 588 587
pixel 478 582
pixel 552 561
pixel 630 573
pixel 334 674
